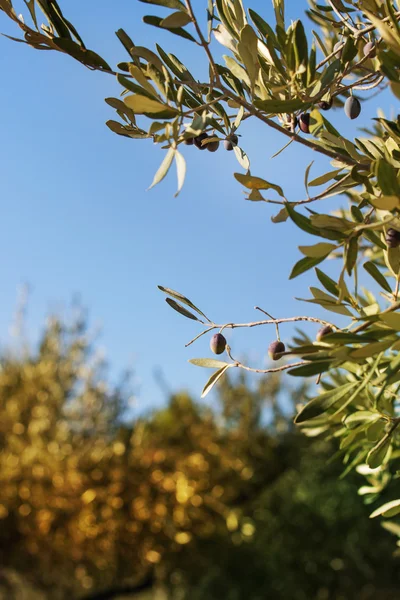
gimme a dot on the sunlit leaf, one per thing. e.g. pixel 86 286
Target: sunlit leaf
pixel 213 380
pixel 180 170
pixel 318 250
pixel 242 157
pixel 211 363
pixel 373 270
pixel 142 105
pixel 176 19
pixel 164 167
pixel 180 309
pixel 182 298
pixel 320 404
pixel 389 509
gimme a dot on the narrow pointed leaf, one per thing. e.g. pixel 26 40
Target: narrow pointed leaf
pixel 176 19
pixel 209 363
pixel 389 509
pixel 183 299
pixel 163 168
pixel 312 369
pixel 373 270
pixel 304 264
pixel 180 170
pixel 320 404
pixel 180 309
pixel 213 380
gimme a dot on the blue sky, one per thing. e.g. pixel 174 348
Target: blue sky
pixel 76 217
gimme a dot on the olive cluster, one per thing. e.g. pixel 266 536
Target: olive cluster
pixel 352 106
pixel 199 141
pixel 276 349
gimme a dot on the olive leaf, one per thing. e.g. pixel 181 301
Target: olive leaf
pixel 373 270
pixel 389 509
pixel 320 404
pixel 176 4
pixel 213 380
pixel 377 455
pixel 242 158
pixel 308 370
pixel 257 183
pixel 144 105
pixel 211 363
pixel 176 19
pixel 180 170
pixel 164 167
pixel 183 299
pixel 180 309
pixel 322 249
pixel 157 22
pixel 305 264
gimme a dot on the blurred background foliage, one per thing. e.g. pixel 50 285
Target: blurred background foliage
pixel 228 501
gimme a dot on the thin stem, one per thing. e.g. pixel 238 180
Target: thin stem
pixel 274 322
pixel 273 370
pixel 343 19
pixel 203 40
pixel 323 194
pixel 199 336
pixel 363 326
pixel 356 84
pixel 271 321
pixel 369 28
pixel 278 337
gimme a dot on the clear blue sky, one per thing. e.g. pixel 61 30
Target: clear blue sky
pixel 76 218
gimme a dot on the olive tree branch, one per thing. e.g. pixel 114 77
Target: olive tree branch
pixel 261 116
pixel 358 34
pixel 356 84
pixel 250 108
pixel 343 19
pixel 240 365
pixel 363 326
pixel 259 323
pixel 203 41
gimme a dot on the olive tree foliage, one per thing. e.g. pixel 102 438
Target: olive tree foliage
pixel 287 79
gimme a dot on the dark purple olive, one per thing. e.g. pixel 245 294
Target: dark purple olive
pixel 199 139
pixel 392 238
pixel 275 350
pixel 213 146
pixel 218 343
pixel 325 104
pixel 369 50
pixel 231 141
pixel 189 141
pixel 323 332
pixel 304 122
pixel 352 107
pixel 338 48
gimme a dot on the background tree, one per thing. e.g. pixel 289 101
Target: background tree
pixel 206 503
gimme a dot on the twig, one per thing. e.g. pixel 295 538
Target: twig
pixel 342 18
pixel 240 365
pixel 363 326
pixel 203 40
